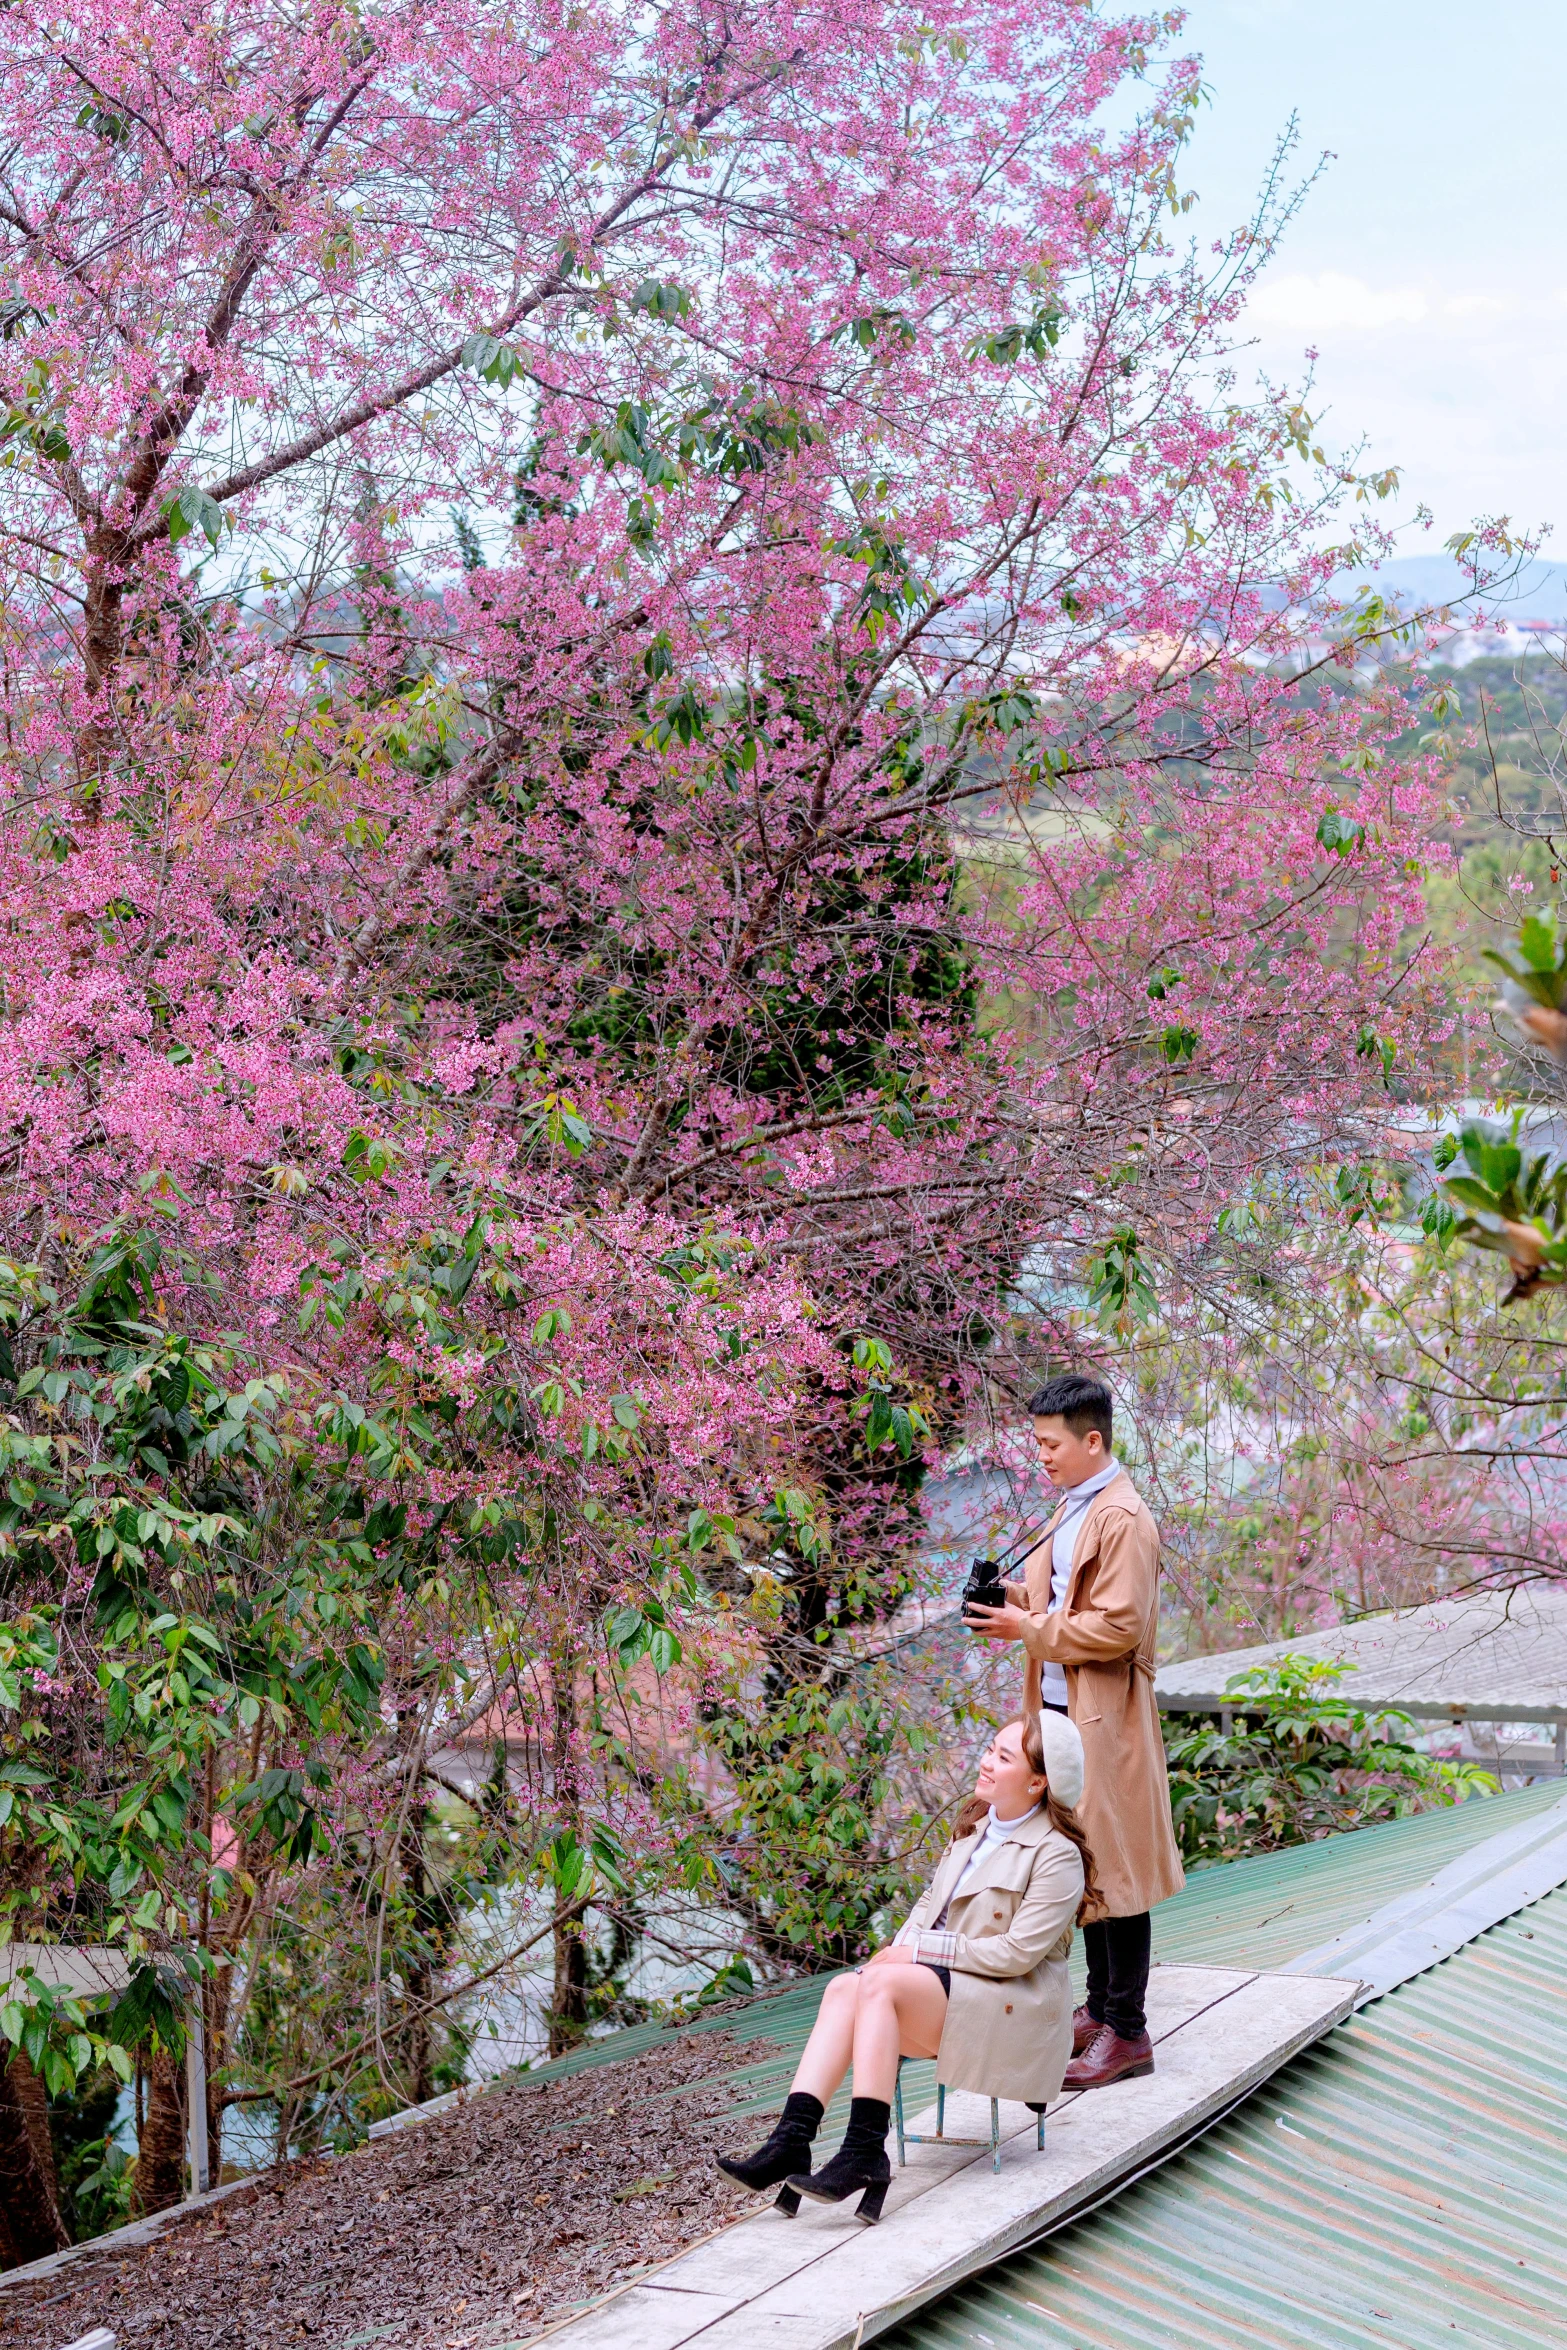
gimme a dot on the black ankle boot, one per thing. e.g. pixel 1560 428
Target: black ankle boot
pixel 788 2149
pixel 860 2162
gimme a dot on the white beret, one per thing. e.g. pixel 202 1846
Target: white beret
pixel 1063 1751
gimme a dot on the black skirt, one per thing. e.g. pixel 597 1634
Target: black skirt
pixel 943 1974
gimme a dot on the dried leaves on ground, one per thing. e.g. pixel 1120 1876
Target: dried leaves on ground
pixel 463 2233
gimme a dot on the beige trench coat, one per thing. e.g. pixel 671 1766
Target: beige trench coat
pixel 1008 2031
pixel 1106 1636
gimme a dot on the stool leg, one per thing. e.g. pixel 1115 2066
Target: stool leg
pixel 941 2109
pixel 995 2135
pixel 897 2107
pixel 1040 2139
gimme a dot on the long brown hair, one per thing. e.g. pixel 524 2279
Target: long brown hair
pixel 975 1810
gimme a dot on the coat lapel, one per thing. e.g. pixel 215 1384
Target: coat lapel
pixel 993 1868
pixel 1088 1538
pixel 948 1869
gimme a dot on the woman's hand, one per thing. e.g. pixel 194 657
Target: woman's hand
pixel 895 1954
pixel 996 1623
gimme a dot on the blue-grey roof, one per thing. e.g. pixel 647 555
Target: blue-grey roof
pixel 1498 1656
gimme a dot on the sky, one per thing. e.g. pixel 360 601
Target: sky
pixel 1428 266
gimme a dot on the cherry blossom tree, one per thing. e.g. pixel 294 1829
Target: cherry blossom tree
pixel 653 755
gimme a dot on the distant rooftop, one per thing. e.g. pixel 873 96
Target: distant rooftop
pixel 1498 1657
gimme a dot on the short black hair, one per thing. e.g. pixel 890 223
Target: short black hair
pixel 1082 1402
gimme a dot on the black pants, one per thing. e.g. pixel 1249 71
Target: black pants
pixel 1118 1951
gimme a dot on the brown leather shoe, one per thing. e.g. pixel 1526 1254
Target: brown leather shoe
pixel 1109 2058
pixel 1084 2026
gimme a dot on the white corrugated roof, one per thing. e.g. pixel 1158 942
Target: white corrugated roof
pixel 1501 1656
pixel 84 1968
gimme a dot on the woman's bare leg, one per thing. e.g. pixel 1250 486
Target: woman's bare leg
pixel 900 2012
pixel 831 2044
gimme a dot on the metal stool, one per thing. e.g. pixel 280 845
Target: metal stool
pixel 915 2138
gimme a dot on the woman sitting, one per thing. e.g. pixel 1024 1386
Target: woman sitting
pixel 976 1976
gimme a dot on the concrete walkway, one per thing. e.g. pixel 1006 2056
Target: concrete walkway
pixel 824 2281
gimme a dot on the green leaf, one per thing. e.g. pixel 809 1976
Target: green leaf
pixel 1005 347
pixel 876 326
pixel 664 1650
pixel 104 123
pixel 1537 942
pixel 660 300
pixel 1339 833
pixel 1119 1283
pixel 1470 1194
pixel 494 361
pixel 1498 1164
pixel 192 509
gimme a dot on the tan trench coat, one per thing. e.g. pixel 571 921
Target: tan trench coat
pixel 1105 1636
pixel 1008 2031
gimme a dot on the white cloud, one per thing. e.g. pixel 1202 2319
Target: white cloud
pixel 1477 306
pixel 1464 395
pixel 1330 301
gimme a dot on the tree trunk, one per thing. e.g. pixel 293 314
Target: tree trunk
pixel 418 1974
pixel 569 2004
pixel 104 647
pixel 160 2156
pixel 29 2202
pixel 569 2001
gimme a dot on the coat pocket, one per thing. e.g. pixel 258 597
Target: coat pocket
pixel 1101 1690
pixel 988 1909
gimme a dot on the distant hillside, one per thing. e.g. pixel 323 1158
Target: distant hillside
pixel 1538 593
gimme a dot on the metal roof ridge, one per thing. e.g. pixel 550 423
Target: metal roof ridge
pixel 1417 1930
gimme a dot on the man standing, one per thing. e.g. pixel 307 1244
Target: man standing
pixel 1087 1615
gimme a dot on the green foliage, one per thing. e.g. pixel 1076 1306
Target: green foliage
pixel 892 588
pixel 881 325
pixel 1300 1762
pixel 807 1859
pixel 1369 1046
pixel 63 2037
pixel 94 2169
pixel 1120 1284
pixel 220 1563
pixel 733 1980
pixel 1513 1204
pixel 191 509
pixel 1535 964
pixel 658 300
pixel 1339 834
pixel 887 1420
pixel 1007 346
pixel 493 361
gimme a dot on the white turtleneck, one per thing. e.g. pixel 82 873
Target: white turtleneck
pixel 993 1832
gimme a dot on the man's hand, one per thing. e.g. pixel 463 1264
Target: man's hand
pixel 996 1623
pixel 895 1954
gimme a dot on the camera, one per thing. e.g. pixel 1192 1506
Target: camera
pixel 985 1586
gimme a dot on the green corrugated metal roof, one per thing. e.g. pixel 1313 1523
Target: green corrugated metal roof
pixel 1265 1911
pixel 1401 2186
